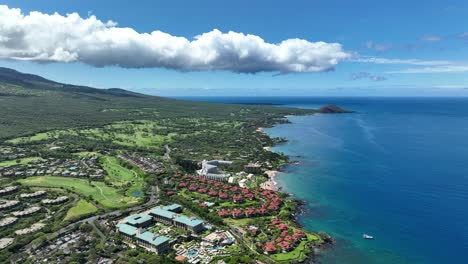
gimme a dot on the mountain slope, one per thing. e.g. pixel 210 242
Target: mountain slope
pixel 31 104
pixel 31 81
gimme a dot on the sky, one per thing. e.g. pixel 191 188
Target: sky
pixel 243 48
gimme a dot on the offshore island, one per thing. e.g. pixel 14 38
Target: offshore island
pixel 111 176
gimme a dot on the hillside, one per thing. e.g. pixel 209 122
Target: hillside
pixel 333 109
pixel 31 104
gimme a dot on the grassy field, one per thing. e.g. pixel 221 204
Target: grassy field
pixel 299 253
pixel 44 105
pixel 142 133
pixel 36 137
pixel 21 161
pixel 121 176
pixel 105 195
pixel 82 208
pixel 240 223
pixel 296 254
pixel 116 172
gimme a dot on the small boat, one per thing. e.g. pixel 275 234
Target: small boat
pixel 366 236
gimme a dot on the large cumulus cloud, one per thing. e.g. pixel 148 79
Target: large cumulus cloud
pixel 70 38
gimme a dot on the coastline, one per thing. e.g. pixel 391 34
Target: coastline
pixel 272 184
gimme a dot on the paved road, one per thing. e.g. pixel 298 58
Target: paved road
pixel 167 154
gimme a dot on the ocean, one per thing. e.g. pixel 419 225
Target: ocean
pixel 397 169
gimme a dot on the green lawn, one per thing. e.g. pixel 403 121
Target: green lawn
pixel 21 161
pixel 234 249
pixel 121 176
pixel 116 172
pixel 299 253
pixel 240 223
pixel 105 195
pixel 130 134
pixel 296 254
pixel 122 133
pixel 82 208
pixel 36 137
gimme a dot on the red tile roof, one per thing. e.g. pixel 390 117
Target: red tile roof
pixel 270 247
pixel 237 213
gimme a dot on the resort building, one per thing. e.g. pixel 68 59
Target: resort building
pixel 168 217
pixel 8 221
pixel 33 195
pixel 210 170
pixel 176 208
pixel 127 231
pixel 138 220
pixel 189 223
pixel 270 248
pixel 35 227
pixel 57 200
pixel 153 242
pixel 27 212
pixel 162 215
pixel 146 239
pixel 219 238
pixel 8 204
pixel 5 242
pixel 243 183
pixel 8 190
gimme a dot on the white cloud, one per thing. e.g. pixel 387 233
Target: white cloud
pixel 378 47
pixel 436 69
pixel 431 38
pixel 368 76
pixel 402 61
pixel 431 66
pixel 56 38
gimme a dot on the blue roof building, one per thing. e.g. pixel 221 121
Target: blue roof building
pixel 162 215
pixel 181 221
pixel 138 220
pixel 153 242
pixel 175 208
pixel 189 223
pixel 127 230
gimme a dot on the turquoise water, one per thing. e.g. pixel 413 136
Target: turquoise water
pixel 397 169
pixel 137 193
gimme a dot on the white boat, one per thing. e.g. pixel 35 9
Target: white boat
pixel 366 236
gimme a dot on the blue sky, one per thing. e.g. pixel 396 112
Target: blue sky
pixel 394 48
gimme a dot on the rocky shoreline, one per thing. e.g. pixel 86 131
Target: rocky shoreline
pixel 299 209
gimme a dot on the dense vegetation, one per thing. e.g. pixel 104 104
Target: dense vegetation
pixel 54 121
pixel 32 104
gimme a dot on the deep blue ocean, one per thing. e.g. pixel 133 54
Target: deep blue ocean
pixel 396 169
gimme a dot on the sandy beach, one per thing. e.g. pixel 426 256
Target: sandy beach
pixel 270 184
pixel 267 148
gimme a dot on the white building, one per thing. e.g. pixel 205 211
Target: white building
pixel 210 170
